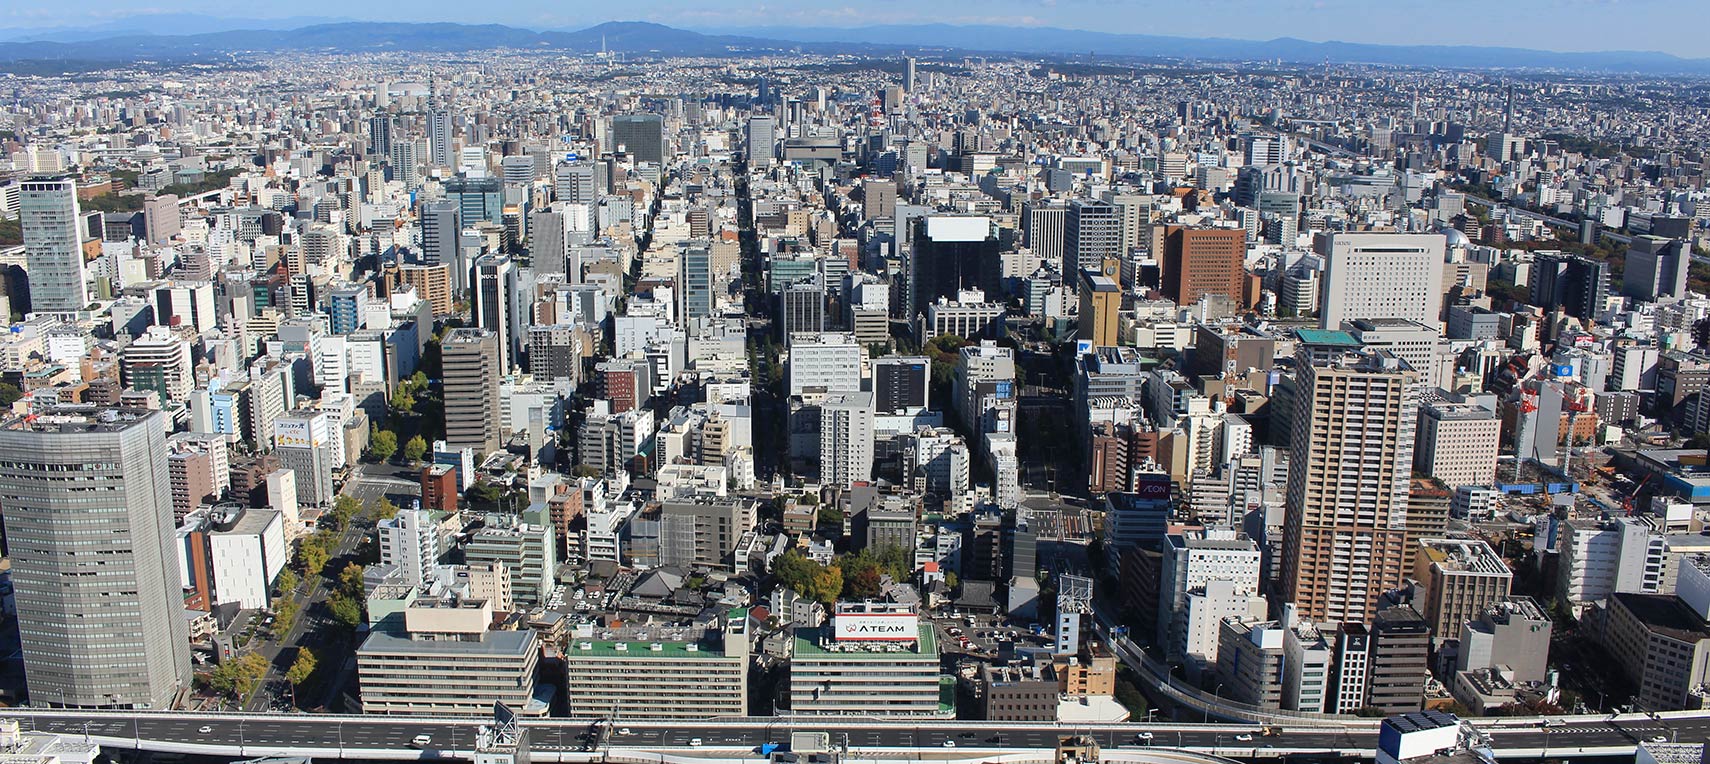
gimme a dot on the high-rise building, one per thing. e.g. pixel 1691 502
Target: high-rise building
pixel 762 140
pixel 50 217
pixel 1381 275
pixel 1202 261
pixel 162 219
pixel 1045 220
pixel 1399 662
pixel 953 253
pixel 410 541
pixel 89 528
pixel 846 439
pixel 1656 267
pixel 1351 458
pixel 477 199
pixel 642 136
pixel 1576 284
pixel 1092 231
pixel 471 380
pixel 497 305
pixel 440 231
pixel 575 183
pixel 1459 579
pixel 901 384
pixel 380 127
pixel 439 138
pixel 1101 305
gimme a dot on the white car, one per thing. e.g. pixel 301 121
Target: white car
pixel 1243 738
pixel 949 744
pixel 421 741
pixel 694 742
pixel 625 731
pixel 1144 737
pixel 205 729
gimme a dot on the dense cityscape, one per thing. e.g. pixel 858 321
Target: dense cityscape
pixel 816 405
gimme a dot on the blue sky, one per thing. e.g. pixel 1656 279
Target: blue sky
pixel 1673 26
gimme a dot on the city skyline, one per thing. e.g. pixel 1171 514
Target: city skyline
pixel 1547 25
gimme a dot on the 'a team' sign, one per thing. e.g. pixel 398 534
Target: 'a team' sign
pixel 865 627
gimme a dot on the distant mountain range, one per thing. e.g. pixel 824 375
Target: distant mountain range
pixel 202 38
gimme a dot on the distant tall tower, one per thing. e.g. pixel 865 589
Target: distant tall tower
pixel 380 135
pixel 762 140
pixel 1345 509
pixel 90 530
pixel 439 138
pixel 1508 113
pixel 53 244
pixel 908 74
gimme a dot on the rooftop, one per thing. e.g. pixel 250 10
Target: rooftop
pixel 1665 614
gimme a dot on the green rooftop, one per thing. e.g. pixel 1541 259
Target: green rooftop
pixel 807 643
pixel 1326 337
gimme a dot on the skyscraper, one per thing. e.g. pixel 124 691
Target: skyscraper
pixel 471 379
pixel 1045 221
pixel 1202 261
pixel 497 305
pixel 762 138
pixel 90 529
pixel 575 182
pixel 53 252
pixel 439 138
pixel 1656 267
pixel 1381 275
pixel 696 276
pixel 440 232
pixel 380 128
pixel 1574 283
pixel 846 439
pixel 952 253
pixel 477 199
pixel 1092 231
pixel 1351 458
pixel 642 136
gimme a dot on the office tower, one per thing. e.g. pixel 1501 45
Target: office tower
pixel 953 253
pixel 908 74
pixel 1350 662
pixel 90 530
pixel 762 138
pixel 1101 305
pixel 1202 261
pixel 828 362
pixel 878 198
pixel 380 127
pixel 985 379
pixel 471 379
pixel 497 306
pixel 1656 267
pixel 1458 443
pixel 576 183
pixel 697 673
pixel 901 384
pixel 846 439
pixel 161 218
pixel 50 217
pixel 1399 662
pixel 1459 579
pixel 695 281
pixel 440 231
pixel 1045 220
pixel 410 541
pixel 517 170
pixel 1190 605
pixel 549 240
pixel 1092 231
pixel 1381 275
pixel 345 308
pixel 1136 213
pixel 1351 457
pixel 703 533
pixel 642 136
pixel 439 138
pixel 477 199
pixel 405 159
pixel 803 309
pixel 1577 285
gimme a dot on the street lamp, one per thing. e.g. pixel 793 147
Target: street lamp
pixel 1215 693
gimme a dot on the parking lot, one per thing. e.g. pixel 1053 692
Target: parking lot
pixel 980 634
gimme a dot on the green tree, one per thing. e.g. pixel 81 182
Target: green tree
pixel 345 509
pixel 313 555
pixel 382 444
pixel 9 393
pixel 302 667
pixel 287 582
pixel 810 579
pixel 414 449
pixel 402 400
pixel 350 580
pixel 384 509
pixel 347 611
pixel 237 678
pixel 584 471
pixel 284 615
